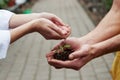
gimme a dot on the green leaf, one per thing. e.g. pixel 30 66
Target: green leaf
pixel 67 46
pixel 61 48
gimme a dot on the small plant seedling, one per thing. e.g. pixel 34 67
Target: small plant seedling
pixel 63 52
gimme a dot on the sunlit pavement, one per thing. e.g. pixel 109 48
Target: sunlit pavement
pixel 26 57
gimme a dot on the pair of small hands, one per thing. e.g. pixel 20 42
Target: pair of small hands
pixel 52 27
pixel 48 25
pixel 81 55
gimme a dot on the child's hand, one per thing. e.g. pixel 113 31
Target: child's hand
pixel 56 20
pixel 49 30
pixel 20 19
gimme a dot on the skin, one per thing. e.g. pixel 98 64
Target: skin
pixel 19 19
pixel 85 53
pixel 102 40
pixel 48 25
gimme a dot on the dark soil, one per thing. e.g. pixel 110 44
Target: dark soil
pixel 62 53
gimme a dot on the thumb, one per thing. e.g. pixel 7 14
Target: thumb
pixel 77 54
pixel 84 51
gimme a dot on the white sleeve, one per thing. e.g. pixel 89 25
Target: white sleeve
pixel 4 42
pixel 4 19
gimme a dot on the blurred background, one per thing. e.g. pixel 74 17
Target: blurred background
pixel 26 57
pixel 95 8
pixel 17 6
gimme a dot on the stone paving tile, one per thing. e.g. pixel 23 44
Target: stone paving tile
pixel 26 57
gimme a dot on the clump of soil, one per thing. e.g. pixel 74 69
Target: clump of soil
pixel 63 52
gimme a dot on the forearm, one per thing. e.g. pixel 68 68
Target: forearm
pixel 107 28
pixel 116 5
pixel 107 34
pixel 20 31
pixel 19 19
pixel 108 46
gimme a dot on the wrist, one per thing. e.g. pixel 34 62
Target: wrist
pixel 20 31
pixel 87 40
pixel 34 24
pixel 97 50
pixel 93 51
pixel 116 5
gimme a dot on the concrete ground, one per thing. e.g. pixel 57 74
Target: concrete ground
pixel 26 57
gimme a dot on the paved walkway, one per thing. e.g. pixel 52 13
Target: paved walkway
pixel 26 57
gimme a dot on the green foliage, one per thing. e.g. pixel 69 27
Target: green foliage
pixel 66 46
pixel 6 1
pixel 108 4
pixel 3 3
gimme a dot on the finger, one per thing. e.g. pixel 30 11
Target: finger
pixel 62 31
pixel 57 21
pixel 58 30
pixel 58 37
pixel 67 29
pixel 74 64
pixel 55 28
pixel 50 34
pixel 53 32
pixel 61 64
pixel 49 56
pixel 55 63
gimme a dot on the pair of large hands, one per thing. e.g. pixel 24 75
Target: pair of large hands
pixel 81 55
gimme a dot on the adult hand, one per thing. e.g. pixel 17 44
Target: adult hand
pixel 81 55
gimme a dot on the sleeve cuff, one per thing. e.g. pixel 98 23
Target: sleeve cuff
pixel 4 19
pixel 4 42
